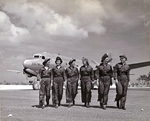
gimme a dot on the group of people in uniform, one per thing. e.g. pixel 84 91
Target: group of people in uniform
pixel 58 76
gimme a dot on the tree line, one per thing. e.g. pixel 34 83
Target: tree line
pixel 142 81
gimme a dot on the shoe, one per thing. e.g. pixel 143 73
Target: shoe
pixel 101 105
pixel 87 105
pixel 123 107
pixel 56 105
pixel 47 105
pixel 40 104
pixel 70 104
pixel 104 107
pixel 43 106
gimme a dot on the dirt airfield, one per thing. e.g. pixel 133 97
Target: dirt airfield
pixel 22 105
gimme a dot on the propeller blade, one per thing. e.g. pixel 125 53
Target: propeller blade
pixel 96 63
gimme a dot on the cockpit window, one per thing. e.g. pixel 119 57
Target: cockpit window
pixel 39 56
pixel 36 56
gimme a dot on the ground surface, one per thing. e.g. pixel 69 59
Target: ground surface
pixel 22 105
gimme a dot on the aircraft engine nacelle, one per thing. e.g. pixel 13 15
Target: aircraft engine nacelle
pixel 29 72
pixel 33 64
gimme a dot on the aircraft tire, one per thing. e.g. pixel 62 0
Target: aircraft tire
pixel 36 86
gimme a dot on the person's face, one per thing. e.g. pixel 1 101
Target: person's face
pixel 122 59
pixel 105 61
pixel 58 62
pixel 73 64
pixel 84 62
pixel 48 63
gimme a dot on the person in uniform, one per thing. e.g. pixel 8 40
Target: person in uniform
pixel 45 83
pixel 58 79
pixel 104 75
pixel 121 75
pixel 72 75
pixel 86 77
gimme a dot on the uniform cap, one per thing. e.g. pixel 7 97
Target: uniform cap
pixel 124 56
pixel 104 57
pixel 45 61
pixel 58 58
pixel 85 59
pixel 72 60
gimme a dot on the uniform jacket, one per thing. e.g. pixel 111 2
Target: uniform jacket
pixel 58 73
pixel 104 70
pixel 120 69
pixel 72 72
pixel 87 71
pixel 43 73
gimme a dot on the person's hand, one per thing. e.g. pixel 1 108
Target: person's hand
pixel 65 83
pixel 116 81
pixel 97 82
pixel 52 83
pixel 79 82
pixel 93 82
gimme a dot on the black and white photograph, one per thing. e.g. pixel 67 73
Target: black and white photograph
pixel 74 60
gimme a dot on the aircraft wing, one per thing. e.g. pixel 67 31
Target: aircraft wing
pixel 15 71
pixel 139 65
pixel 97 64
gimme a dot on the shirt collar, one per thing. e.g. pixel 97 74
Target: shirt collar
pixel 58 67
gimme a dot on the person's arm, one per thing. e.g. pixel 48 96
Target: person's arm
pixel 115 73
pixel 77 73
pixel 80 74
pixel 64 74
pixel 64 77
pixel 128 74
pixel 97 73
pixel 39 75
pixel 111 75
pixel 79 80
pixel 52 76
pixel 92 74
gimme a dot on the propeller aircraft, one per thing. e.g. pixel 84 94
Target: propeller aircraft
pixel 32 66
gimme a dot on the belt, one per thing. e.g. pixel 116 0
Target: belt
pixel 71 76
pixel 122 75
pixel 104 75
pixel 57 76
pixel 45 77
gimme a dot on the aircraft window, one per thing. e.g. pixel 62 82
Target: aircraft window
pixel 43 57
pixel 36 56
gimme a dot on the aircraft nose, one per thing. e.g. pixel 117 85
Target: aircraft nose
pixel 26 63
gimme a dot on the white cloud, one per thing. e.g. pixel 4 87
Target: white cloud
pixel 9 30
pixel 39 16
pixel 64 27
pixel 4 22
pixel 89 16
pixel 96 26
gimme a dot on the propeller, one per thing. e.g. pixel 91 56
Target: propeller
pixel 96 63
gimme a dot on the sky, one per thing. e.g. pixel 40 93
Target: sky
pixel 73 28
